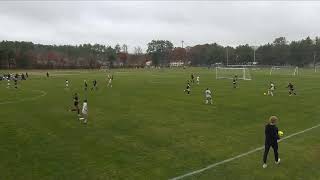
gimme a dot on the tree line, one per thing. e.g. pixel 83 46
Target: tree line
pixel 16 54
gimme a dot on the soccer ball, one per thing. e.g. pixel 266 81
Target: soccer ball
pixel 264 93
pixel 280 133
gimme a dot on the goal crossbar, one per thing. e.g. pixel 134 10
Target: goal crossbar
pixel 230 73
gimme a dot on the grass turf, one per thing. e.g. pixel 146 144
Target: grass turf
pixel 145 127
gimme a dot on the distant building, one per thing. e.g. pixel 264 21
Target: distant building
pixel 148 63
pixel 176 64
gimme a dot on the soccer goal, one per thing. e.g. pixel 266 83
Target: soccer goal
pixel 104 68
pixel 230 73
pixel 284 70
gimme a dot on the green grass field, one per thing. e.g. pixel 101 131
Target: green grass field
pixel 145 127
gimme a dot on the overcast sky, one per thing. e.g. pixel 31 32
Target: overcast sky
pixel 137 23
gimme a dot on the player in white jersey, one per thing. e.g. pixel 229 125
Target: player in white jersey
pixel 271 89
pixel 110 78
pixel 8 84
pixel 207 93
pixel 84 112
pixel 198 80
pixel 67 84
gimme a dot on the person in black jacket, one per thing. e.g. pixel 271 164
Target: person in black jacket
pixel 271 140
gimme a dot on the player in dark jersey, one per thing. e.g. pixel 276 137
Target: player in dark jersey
pixel 188 88
pixel 234 82
pixel 192 78
pixel 85 85
pixel 16 83
pixel 23 77
pixel 94 82
pixel 291 89
pixel 76 103
pixel 48 74
pixel 271 140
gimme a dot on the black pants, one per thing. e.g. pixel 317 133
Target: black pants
pixel 266 151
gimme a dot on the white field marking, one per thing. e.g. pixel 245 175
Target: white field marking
pixel 73 74
pixel 124 72
pixel 43 93
pixel 239 156
pixel 156 82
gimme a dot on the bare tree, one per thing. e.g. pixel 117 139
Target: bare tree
pixel 124 48
pixel 137 50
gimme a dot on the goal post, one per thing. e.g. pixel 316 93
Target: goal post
pixel 104 68
pixel 230 73
pixel 284 70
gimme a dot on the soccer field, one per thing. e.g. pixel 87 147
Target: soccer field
pixel 146 127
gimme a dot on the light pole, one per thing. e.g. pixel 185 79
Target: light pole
pixel 314 61
pixel 254 56
pixel 254 53
pixel 227 57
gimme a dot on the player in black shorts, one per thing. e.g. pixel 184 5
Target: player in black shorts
pixel 188 88
pixel 192 78
pixel 76 103
pixel 23 77
pixel 234 82
pixel 85 85
pixel 271 140
pixel 291 89
pixel 48 74
pixel 16 83
pixel 94 82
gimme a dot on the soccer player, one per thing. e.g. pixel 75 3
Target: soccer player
pixel 48 74
pixel 291 89
pixel 198 80
pixel 8 83
pixel 23 77
pixel 76 104
pixel 67 84
pixel 110 80
pixel 234 82
pixel 192 78
pixel 271 89
pixel 84 112
pixel 94 82
pixel 208 96
pixel 85 85
pixel 188 88
pixel 271 140
pixel 15 83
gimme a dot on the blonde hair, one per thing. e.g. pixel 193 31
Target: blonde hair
pixel 273 119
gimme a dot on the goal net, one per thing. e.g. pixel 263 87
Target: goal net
pixel 230 73
pixel 284 70
pixel 104 68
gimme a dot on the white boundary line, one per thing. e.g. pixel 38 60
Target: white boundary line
pixel 43 93
pixel 239 156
